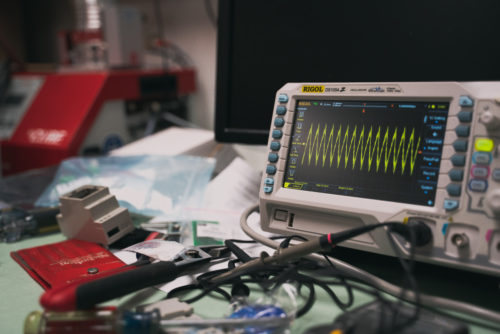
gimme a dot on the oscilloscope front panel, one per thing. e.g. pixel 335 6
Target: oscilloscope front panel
pixel 343 155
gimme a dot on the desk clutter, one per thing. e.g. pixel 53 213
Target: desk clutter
pixel 80 276
pixel 139 259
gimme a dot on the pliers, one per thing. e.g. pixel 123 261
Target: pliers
pixel 82 295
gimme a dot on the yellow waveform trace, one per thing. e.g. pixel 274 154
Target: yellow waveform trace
pixel 366 146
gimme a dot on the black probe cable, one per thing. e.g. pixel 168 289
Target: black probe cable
pixel 426 300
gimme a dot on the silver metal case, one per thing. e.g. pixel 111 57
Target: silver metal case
pixel 465 216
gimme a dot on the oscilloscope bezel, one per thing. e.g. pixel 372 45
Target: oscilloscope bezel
pixel 289 211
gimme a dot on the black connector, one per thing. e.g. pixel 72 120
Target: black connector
pixel 422 233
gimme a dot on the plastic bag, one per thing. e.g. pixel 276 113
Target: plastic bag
pixel 149 185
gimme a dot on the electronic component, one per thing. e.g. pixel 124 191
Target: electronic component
pixel 91 213
pixel 344 155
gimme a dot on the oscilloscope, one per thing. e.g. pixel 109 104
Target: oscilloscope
pixel 344 155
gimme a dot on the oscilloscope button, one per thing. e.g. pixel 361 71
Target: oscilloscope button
pixel 271 170
pixel 273 157
pixel 458 160
pixel 268 189
pixel 279 122
pixel 465 116
pixel 281 110
pixel 481 158
pixel 450 204
pixel 460 145
pixel 480 172
pixel 484 144
pixel 277 134
pixel 465 101
pixel 478 185
pixel 496 174
pixel 269 181
pixel 283 98
pixel 454 189
pixel 275 145
pixel 456 174
pixel 462 130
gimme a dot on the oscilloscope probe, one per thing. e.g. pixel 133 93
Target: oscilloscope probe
pixel 431 301
pixel 415 232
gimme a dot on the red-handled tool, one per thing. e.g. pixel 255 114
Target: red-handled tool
pixel 80 296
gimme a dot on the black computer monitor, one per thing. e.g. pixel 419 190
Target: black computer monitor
pixel 262 44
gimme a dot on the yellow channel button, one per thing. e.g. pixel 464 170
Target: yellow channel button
pixel 484 144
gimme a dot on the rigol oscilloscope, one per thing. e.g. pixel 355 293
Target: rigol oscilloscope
pixel 343 155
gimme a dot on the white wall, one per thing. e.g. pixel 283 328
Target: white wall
pixel 187 24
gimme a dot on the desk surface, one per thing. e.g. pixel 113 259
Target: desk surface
pixel 19 295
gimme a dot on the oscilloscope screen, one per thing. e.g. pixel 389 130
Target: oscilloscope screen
pixel 372 149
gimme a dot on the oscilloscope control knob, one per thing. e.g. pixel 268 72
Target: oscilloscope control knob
pixel 490 120
pixel 493 201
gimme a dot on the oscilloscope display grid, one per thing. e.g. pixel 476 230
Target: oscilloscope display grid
pixel 386 150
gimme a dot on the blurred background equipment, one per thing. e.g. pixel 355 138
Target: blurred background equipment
pixel 88 90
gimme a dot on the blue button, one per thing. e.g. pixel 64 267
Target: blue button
pixel 279 122
pixel 481 158
pixel 273 157
pixel 480 172
pixel 460 145
pixel 454 189
pixel 277 134
pixel 458 160
pixel 450 204
pixel 275 145
pixel 281 110
pixel 478 185
pixel 268 189
pixel 269 181
pixel 462 130
pixel 496 174
pixel 465 101
pixel 465 116
pixel 283 98
pixel 456 174
pixel 271 170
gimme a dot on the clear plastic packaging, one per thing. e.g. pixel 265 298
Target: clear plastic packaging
pixel 149 185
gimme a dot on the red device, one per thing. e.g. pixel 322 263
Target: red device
pixel 65 107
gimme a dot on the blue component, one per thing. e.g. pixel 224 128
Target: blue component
pixel 451 204
pixel 277 134
pixel 462 130
pixel 456 174
pixel 465 101
pixel 281 110
pixel 460 145
pixel 454 189
pixel 275 145
pixel 283 98
pixel 478 185
pixel 458 160
pixel 269 181
pixel 496 174
pixel 268 189
pixel 140 322
pixel 271 170
pixel 465 116
pixel 481 158
pixel 279 122
pixel 258 311
pixel 273 157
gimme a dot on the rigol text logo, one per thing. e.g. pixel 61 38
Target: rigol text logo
pixel 313 89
